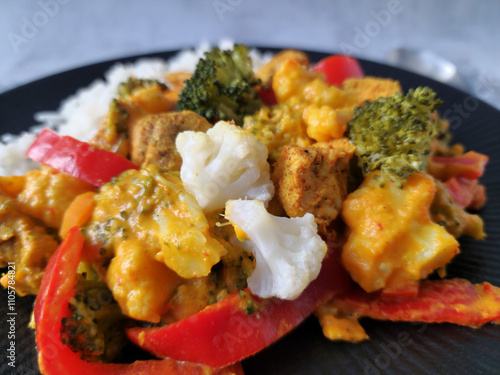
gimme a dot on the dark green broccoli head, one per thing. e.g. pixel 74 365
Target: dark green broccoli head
pixel 223 86
pixel 394 134
pixel 94 328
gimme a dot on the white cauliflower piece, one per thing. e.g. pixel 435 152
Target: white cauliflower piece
pixel 288 251
pixel 224 163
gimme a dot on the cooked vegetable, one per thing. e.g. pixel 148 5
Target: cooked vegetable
pixel 223 86
pixel 337 68
pixel 133 85
pixel 225 163
pixel 78 212
pixel 55 358
pixel 447 213
pixel 394 134
pixel 148 244
pixel 288 251
pixel 276 127
pixel 77 158
pixel 25 243
pixel 455 301
pixel 152 205
pixel 241 325
pixel 94 326
pixel 468 165
pixel 392 240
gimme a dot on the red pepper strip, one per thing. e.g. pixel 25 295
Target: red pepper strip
pixel 337 68
pixel 400 289
pixel 55 358
pixel 462 190
pixel 78 159
pixel 267 96
pixel 442 301
pixel 469 165
pixel 224 333
pixel 466 193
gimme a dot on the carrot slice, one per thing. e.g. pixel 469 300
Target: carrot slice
pixel 78 212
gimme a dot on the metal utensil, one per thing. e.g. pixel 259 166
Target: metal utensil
pixel 429 64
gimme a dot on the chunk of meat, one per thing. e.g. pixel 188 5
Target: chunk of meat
pixel 313 179
pixel 153 138
pixel 267 71
pixel 25 243
pixel 113 133
pixel 47 194
pixel 338 326
pixel 371 88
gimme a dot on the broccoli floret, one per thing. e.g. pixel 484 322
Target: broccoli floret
pixel 94 328
pixel 126 89
pixel 223 86
pixel 394 134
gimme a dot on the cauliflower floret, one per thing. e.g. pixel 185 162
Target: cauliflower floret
pixel 225 163
pixel 288 251
pixel 392 240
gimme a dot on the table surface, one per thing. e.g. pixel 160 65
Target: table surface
pixel 44 37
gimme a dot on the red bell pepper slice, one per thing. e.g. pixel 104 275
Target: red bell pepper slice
pixel 78 159
pixel 441 301
pixel 465 191
pixel 55 358
pixel 337 68
pixel 469 165
pixel 267 96
pixel 224 333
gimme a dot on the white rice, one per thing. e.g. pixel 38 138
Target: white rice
pixel 81 114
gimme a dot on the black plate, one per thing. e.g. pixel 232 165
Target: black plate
pixel 394 348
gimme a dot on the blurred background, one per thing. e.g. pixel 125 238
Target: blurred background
pixel 456 40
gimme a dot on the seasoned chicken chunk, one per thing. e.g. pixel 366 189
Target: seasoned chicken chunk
pixel 153 138
pixel 25 243
pixel 313 179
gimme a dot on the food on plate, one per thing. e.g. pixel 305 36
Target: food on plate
pixel 217 199
pixel 223 86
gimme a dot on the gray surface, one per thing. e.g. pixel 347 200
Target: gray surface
pixel 39 38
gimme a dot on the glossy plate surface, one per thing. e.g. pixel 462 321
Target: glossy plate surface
pixel 394 348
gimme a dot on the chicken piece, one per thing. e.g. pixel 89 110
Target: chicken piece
pixel 153 138
pixel 371 88
pixel 267 71
pixel 24 243
pixel 47 194
pixel 313 179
